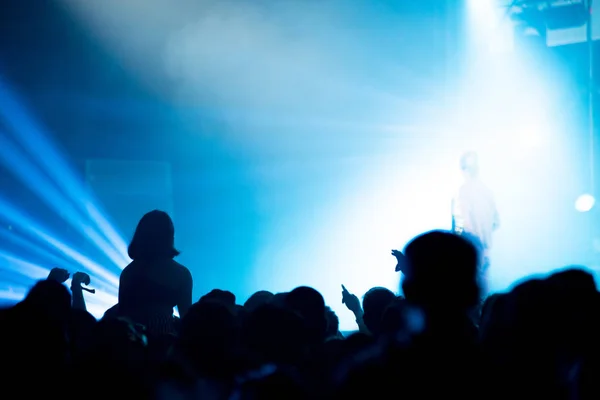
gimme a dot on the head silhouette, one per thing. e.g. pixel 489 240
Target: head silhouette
pixel 469 164
pixel 154 238
pixel 310 305
pixel 441 271
pixel 258 299
pixel 333 323
pixel 375 302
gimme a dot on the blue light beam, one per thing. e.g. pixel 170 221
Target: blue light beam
pixel 35 180
pixel 38 232
pixel 31 136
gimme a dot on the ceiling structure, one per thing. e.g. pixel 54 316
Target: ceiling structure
pixel 560 37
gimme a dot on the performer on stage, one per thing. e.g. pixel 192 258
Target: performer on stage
pixel 474 211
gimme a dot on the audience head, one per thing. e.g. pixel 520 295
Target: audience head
pixel 574 306
pixel 441 272
pixel 224 297
pixel 310 305
pixel 395 319
pixel 258 299
pixel 279 299
pixel 333 323
pixel 51 299
pixel 208 335
pixel 112 312
pixel 154 238
pixel 375 302
pixel 574 280
pixel 275 334
pixel 538 340
pixel 40 326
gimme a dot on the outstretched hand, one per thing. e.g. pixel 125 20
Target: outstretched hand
pixel 80 278
pixel 59 275
pixel 400 260
pixel 351 301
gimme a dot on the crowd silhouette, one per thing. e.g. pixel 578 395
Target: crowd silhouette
pixel 441 338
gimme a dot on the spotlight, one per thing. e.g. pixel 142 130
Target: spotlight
pixel 585 203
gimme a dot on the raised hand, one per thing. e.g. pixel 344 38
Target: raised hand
pixel 351 301
pixel 59 275
pixel 400 260
pixel 80 278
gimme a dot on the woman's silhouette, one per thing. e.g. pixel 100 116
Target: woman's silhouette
pixel 153 283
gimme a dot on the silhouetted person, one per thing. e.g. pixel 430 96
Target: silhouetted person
pixel 258 299
pixel 208 338
pixel 544 342
pixel 224 297
pixel 440 285
pixel 153 283
pixel 333 324
pixel 310 305
pixel 353 304
pixel 474 212
pixel 369 315
pixel 441 276
pixel 278 299
pixel 375 303
pixel 394 319
pixel 34 342
pixel 116 354
pixel 275 334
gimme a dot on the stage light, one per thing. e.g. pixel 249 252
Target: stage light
pixel 33 138
pixel 28 152
pixel 482 9
pixel 10 295
pixel 40 233
pixel 34 249
pixel 585 203
pixel 25 273
pixel 34 179
pixel 22 267
pixel 530 137
pixel 488 27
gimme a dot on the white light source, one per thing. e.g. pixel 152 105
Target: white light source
pixel 585 203
pixel 530 139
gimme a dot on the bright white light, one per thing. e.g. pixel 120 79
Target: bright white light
pixel 12 295
pixel 485 9
pixel 488 26
pixel 585 203
pixel 530 138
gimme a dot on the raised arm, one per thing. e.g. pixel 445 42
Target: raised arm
pixel 79 278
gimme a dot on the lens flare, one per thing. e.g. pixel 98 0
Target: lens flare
pixel 585 203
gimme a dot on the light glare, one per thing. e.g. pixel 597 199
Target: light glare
pixel 585 203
